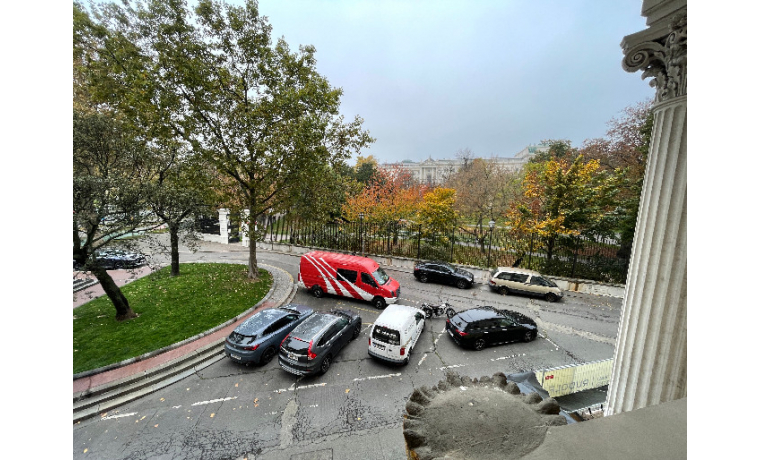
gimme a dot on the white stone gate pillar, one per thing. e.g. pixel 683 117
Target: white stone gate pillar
pixel 224 222
pixel 650 354
pixel 245 238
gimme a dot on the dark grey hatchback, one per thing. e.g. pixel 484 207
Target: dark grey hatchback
pixel 258 338
pixel 311 347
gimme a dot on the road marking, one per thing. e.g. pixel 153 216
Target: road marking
pixel 213 401
pixel 376 377
pixel 507 357
pixel 423 359
pixel 550 341
pixel 451 367
pixel 118 416
pixel 294 387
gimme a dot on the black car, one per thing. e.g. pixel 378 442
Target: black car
pixel 311 347
pixel 478 327
pixel 258 338
pixel 114 258
pixel 445 273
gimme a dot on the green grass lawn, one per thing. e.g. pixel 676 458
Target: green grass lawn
pixel 170 309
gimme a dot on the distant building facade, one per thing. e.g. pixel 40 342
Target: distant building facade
pixel 436 171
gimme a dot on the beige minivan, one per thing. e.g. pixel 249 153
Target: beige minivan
pixel 508 280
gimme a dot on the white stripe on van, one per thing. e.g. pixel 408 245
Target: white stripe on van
pixel 319 262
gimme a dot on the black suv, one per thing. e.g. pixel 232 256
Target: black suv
pixel 445 273
pixel 483 326
pixel 310 348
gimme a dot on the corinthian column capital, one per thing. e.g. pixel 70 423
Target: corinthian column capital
pixel 663 59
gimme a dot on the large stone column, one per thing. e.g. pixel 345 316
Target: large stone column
pixel 650 354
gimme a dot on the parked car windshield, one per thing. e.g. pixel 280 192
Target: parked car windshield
pixel 380 276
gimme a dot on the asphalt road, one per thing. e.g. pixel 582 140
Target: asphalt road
pixel 230 411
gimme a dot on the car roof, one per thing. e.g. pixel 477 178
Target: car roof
pixel 518 270
pixel 313 325
pixel 476 314
pixel 260 321
pixel 396 314
pixel 335 258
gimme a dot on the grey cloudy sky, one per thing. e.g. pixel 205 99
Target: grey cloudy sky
pixel 431 77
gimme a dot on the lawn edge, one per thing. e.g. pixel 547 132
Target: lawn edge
pixel 150 354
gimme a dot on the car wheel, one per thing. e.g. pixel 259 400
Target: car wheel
pixel 405 362
pixel 450 313
pixel 462 284
pixel 325 364
pixel 479 344
pixel 317 291
pixel 551 297
pixel 379 303
pixel 268 355
pixel 118 265
pixel 529 336
pixel 503 290
pixel 423 278
pixel 357 331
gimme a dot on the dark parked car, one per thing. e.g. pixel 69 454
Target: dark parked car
pixel 114 258
pixel 445 273
pixel 258 338
pixel 478 327
pixel 311 347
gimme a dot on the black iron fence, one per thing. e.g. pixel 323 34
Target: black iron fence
pixel 598 258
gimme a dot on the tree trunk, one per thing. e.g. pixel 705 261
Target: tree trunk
pixel 123 311
pixel 253 265
pixel 550 248
pixel 174 238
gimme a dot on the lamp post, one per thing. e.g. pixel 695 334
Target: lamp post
pixel 361 231
pixel 491 223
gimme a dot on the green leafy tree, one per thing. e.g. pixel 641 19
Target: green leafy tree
pixel 109 174
pixel 179 189
pixel 260 114
pixel 366 169
pixel 625 148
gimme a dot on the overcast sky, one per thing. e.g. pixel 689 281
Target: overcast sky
pixel 432 77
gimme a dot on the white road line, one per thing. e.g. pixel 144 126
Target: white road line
pixel 213 401
pixel 507 357
pixel 550 341
pixel 376 377
pixel 451 367
pixel 294 387
pixel 423 359
pixel 118 416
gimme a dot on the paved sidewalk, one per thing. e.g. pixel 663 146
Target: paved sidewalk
pixel 282 291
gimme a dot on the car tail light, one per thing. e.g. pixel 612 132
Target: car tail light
pixel 283 340
pixel 403 350
pixel 253 348
pixel 309 354
pixel 461 334
pixel 369 341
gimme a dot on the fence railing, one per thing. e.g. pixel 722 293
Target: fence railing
pixel 599 258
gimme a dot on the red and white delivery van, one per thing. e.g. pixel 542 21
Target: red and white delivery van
pixel 349 276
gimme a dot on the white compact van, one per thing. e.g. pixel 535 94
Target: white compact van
pixel 395 333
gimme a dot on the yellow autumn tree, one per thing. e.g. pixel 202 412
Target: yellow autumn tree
pixel 563 197
pixel 436 212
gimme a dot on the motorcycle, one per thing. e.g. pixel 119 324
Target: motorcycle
pixel 438 310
